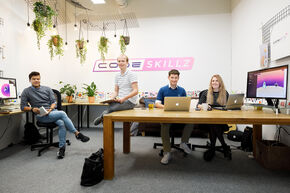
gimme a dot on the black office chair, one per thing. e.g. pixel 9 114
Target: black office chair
pixel 208 144
pixel 172 130
pixel 49 129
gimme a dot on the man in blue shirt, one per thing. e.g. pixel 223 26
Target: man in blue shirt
pixel 172 90
pixel 36 96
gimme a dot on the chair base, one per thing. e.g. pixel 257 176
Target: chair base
pixel 173 145
pixel 45 146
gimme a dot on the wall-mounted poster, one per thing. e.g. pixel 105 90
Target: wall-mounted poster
pixel 264 58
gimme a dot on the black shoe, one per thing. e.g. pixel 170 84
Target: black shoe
pixel 227 152
pixel 209 154
pixel 98 120
pixel 82 137
pixel 61 152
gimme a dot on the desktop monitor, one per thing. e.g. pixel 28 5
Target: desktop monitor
pixel 269 83
pixel 8 88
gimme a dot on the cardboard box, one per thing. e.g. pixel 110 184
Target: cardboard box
pixel 273 155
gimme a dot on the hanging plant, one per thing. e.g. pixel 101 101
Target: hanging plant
pixel 81 50
pixel 103 46
pixel 55 45
pixel 122 45
pixel 43 19
pixel 38 28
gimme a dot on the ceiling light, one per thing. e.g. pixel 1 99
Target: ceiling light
pixel 98 1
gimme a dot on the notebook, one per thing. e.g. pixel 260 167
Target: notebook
pixel 177 103
pixel 235 102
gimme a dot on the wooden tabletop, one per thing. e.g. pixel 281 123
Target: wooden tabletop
pixel 215 116
pixel 13 112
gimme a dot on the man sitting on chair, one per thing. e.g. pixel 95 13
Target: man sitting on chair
pixel 172 90
pixel 42 96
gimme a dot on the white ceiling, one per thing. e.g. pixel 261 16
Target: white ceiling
pixel 111 12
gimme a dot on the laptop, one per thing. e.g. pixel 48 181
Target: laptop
pixel 235 102
pixel 177 103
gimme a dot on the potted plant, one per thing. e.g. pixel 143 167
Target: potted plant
pixel 43 19
pixel 69 90
pixel 91 91
pixel 103 46
pixel 81 50
pixel 55 45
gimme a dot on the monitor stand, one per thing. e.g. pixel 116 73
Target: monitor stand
pixel 273 104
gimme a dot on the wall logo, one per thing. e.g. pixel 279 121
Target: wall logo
pixel 146 64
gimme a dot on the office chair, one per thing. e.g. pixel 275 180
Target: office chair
pixel 172 131
pixel 208 144
pixel 49 129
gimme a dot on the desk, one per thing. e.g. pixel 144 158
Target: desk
pixel 257 118
pixel 80 111
pixel 13 112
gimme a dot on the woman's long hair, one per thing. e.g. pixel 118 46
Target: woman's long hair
pixel 222 98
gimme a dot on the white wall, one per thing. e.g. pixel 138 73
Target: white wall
pixel 204 34
pixel 248 16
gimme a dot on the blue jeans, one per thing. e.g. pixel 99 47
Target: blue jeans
pixel 62 120
pixel 126 105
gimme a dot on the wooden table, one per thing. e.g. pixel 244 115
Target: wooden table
pixel 13 112
pixel 257 118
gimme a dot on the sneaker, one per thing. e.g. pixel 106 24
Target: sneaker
pixel 82 137
pixel 98 120
pixel 61 152
pixel 185 148
pixel 166 158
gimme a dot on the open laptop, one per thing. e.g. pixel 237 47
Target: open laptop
pixel 235 102
pixel 177 103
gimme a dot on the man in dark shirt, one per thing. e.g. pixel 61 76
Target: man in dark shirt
pixel 42 96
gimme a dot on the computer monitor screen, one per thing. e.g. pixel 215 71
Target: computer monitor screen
pixel 8 88
pixel 268 83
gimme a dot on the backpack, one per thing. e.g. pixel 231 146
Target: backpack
pixel 31 133
pixel 93 169
pixel 246 143
pixel 235 135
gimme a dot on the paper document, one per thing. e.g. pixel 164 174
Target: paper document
pixel 42 111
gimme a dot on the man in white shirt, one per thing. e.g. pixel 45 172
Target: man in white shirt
pixel 126 90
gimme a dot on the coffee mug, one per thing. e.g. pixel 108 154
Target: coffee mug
pixel 204 106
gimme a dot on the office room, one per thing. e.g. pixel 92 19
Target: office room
pixel 199 38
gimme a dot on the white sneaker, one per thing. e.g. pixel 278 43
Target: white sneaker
pixel 166 158
pixel 185 148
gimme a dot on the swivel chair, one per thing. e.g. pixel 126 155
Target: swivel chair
pixel 49 129
pixel 208 144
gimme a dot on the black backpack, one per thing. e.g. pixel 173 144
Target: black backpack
pixel 246 143
pixel 93 169
pixel 31 133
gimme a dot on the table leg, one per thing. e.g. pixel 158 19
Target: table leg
pixel 88 116
pixel 81 116
pixel 78 117
pixel 108 141
pixel 257 135
pixel 126 137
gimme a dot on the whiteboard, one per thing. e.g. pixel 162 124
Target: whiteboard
pixel 280 39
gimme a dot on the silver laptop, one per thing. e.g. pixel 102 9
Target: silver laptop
pixel 177 103
pixel 235 102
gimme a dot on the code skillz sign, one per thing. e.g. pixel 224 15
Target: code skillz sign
pixel 146 64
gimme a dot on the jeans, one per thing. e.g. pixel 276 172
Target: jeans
pixel 62 120
pixel 126 105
